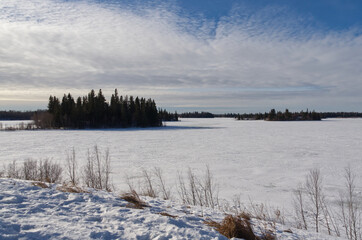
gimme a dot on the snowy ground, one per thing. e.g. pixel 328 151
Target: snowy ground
pixel 258 160
pixel 14 124
pixel 31 212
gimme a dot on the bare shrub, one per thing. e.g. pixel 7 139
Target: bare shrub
pixel 265 213
pixel 30 170
pixel 89 175
pixel 12 171
pixel 151 183
pixel 134 199
pixel 182 190
pixel 148 189
pixel 350 208
pixel 190 191
pixel 96 172
pixel 43 120
pixel 72 166
pixel 195 190
pixel 45 171
pixel 49 172
pixel 210 189
pixel 163 189
pixel 234 227
pixel 234 205
pixel 130 182
pixel 198 192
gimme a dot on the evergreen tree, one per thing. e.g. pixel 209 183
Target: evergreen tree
pixel 272 115
pixel 93 111
pixel 100 109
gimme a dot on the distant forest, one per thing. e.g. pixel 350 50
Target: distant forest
pixel 93 111
pixel 197 115
pixel 282 116
pixel 128 105
pixel 16 115
pixel 274 115
pixel 307 115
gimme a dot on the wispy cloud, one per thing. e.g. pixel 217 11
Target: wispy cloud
pixel 49 47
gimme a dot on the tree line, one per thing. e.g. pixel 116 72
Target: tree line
pixel 341 114
pixel 167 116
pixel 93 111
pixel 274 115
pixel 16 115
pixel 197 115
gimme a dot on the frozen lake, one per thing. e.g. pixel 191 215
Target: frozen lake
pixel 263 161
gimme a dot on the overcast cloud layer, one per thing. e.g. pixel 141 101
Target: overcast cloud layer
pixel 244 62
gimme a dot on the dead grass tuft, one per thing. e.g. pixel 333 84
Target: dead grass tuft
pixel 134 199
pixel 167 215
pixel 268 236
pixel 40 184
pixel 234 226
pixel 71 189
pixel 245 215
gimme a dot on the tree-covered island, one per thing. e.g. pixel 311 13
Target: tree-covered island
pixel 93 111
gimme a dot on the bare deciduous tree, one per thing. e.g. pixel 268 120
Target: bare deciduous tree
pixel 329 218
pixel 350 209
pixel 313 188
pixel 300 208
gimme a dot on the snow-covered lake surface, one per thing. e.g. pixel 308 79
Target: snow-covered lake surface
pixel 258 160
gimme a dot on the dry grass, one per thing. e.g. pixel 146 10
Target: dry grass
pixel 234 226
pixel 268 236
pixel 134 200
pixel 40 184
pixel 167 215
pixel 71 189
pixel 245 215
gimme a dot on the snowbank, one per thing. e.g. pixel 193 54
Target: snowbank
pixel 32 212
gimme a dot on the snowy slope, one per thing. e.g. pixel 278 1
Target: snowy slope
pixel 31 212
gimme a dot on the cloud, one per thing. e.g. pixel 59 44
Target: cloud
pixel 49 47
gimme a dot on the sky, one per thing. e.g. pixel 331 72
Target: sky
pixel 208 55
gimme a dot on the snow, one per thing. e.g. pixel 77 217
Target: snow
pixel 257 160
pixel 31 212
pixel 15 124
